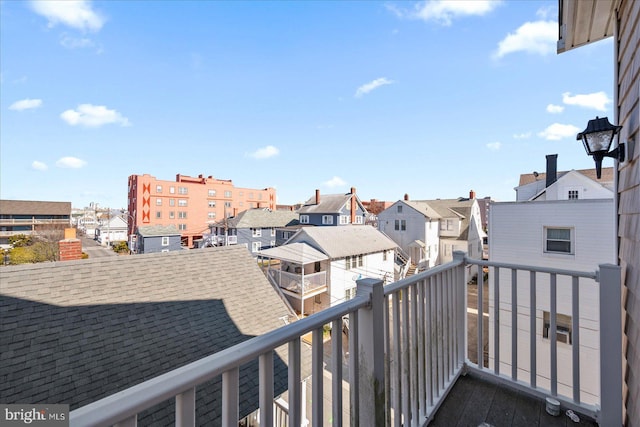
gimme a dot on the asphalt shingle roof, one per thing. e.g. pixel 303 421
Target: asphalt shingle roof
pixel 607 176
pixel 30 207
pixel 329 203
pixel 74 332
pixel 345 240
pixel 263 218
pixel 158 230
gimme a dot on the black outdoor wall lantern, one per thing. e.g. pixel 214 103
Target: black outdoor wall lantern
pixel 597 139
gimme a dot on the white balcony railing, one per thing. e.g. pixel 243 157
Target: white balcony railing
pixel 401 376
pixel 293 281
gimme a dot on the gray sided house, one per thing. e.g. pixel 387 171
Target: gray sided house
pixel 255 228
pixel 157 238
pixel 75 332
pixel 333 209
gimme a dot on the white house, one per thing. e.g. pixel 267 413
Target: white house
pixel 113 230
pixel 559 227
pixel 430 230
pixel 318 266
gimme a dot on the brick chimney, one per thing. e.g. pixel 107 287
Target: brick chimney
pixel 472 195
pixel 406 197
pixel 552 169
pixel 317 197
pixel 353 205
pixel 70 248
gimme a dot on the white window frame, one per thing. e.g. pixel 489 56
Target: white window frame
pixel 212 193
pixel 256 232
pixel 344 219
pixel 183 190
pixel 359 219
pixel 182 202
pixel 158 202
pixel 212 203
pixel 158 188
pixel 573 194
pixel 256 246
pixel 327 219
pixel 304 219
pixel 165 240
pixel 273 232
pixel 546 241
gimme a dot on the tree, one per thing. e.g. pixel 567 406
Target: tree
pixel 20 240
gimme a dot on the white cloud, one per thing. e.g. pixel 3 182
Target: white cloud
pixel 525 135
pixel 77 14
pixel 532 37
pixel 265 152
pixel 336 181
pixel 559 131
pixel 444 11
pixel 71 163
pixel 39 166
pixel 368 87
pixel 26 104
pixel 555 109
pixel 494 146
pixel 597 100
pixel 75 43
pixel 544 12
pixel 93 116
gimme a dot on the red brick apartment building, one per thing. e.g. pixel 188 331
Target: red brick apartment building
pixel 190 203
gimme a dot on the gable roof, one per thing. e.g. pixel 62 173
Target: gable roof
pixel 83 330
pixel 299 253
pixel 424 208
pixel 158 230
pixel 340 242
pixel 585 180
pixel 329 204
pixel 263 218
pixel 607 176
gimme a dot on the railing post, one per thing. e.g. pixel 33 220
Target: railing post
pixel 371 354
pixel 610 345
pixel 461 307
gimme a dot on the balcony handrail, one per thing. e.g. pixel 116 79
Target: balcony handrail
pixel 129 402
pixel 586 274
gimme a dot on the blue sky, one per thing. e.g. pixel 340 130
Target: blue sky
pixel 430 98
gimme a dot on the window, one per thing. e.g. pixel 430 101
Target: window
pixel 359 220
pixel 350 293
pixel 558 240
pixel 182 202
pixel 158 214
pixel 172 202
pixel 353 262
pixel 256 232
pixel 227 204
pixel 158 188
pixel 563 327
pixel 384 255
pixel 304 219
pixel 227 193
pixel 251 195
pixel 182 226
pixel 399 208
pixel 273 232
pixel 272 243
pixel 182 215
pixel 401 224
pixel 212 203
pixel 158 202
pixel 446 224
pixel 183 190
pixel 573 195
pixel 286 234
pixel 344 219
pixel 172 190
pixel 211 215
pixel 165 240
pixel 327 219
pixel 256 246
pixel 212 193
pixel 172 215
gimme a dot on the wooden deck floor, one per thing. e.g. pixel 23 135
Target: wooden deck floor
pixel 476 403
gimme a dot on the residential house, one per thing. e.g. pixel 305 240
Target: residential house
pixel 318 266
pixel 114 229
pixel 554 231
pixel 190 203
pixel 30 217
pixel 128 320
pixel 430 230
pixel 333 209
pixel 156 238
pixel 254 228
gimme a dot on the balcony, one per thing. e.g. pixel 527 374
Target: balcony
pixel 406 355
pixel 297 284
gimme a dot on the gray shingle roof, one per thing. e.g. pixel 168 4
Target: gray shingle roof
pixel 74 332
pixel 329 203
pixel 263 218
pixel 346 240
pixel 158 230
pixel 607 176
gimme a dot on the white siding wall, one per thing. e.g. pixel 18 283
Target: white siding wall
pixel 373 266
pixel 415 221
pixel 517 236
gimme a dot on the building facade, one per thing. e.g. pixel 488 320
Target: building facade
pixel 190 203
pixel 28 217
